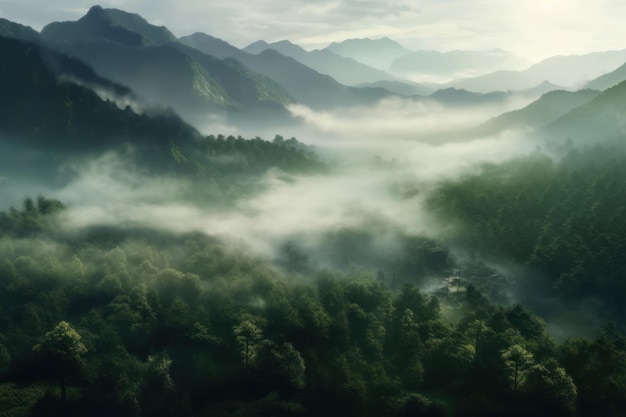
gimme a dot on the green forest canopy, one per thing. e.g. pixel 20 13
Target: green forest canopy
pixel 173 325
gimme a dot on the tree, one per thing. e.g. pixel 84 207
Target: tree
pixel 248 335
pixel 549 388
pixel 157 386
pixel 61 351
pixel 283 363
pixel 518 360
pixel 474 331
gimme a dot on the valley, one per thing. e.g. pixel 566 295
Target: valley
pixel 190 228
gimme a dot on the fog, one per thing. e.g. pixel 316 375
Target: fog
pixel 382 160
pixel 382 163
pixel 398 118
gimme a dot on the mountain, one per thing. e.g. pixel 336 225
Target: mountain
pixel 540 89
pixel 453 97
pixel 600 118
pixel 548 108
pixel 306 85
pixel 569 71
pixel 309 86
pixel 189 81
pixel 167 73
pixel 575 70
pixel 436 63
pixel 608 80
pixel 345 70
pixel 405 88
pixel 285 47
pixel 377 53
pixel 10 29
pixel 111 24
pixel 43 108
pixel 241 83
pixel 50 125
pixel 213 46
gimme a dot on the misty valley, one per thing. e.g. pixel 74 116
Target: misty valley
pixel 192 229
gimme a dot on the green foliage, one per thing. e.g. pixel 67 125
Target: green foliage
pixel 517 361
pixel 248 335
pixel 548 387
pixel 32 219
pixel 60 353
pixel 42 109
pixel 283 362
pixel 598 368
pixel 562 220
pixel 17 401
pixel 169 325
pixel 62 344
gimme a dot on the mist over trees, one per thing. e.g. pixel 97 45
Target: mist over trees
pixel 405 256
pixel 139 322
pixel 560 220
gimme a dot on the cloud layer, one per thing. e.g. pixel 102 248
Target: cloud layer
pixel 535 28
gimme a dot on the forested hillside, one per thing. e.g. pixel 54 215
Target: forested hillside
pixel 140 322
pixel 51 117
pixel 563 221
pixel 459 253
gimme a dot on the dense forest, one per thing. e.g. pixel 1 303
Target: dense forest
pixel 151 268
pixel 559 220
pixel 129 322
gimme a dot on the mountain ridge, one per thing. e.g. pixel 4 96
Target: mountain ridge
pixel 145 57
pixel 347 71
pixel 305 84
pixel 11 29
pixel 112 24
pixel 608 80
pixel 437 63
pixel 599 119
pixel 543 111
pixel 377 53
pixel 566 70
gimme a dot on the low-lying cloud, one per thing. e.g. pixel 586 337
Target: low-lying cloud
pixel 400 118
pixel 379 176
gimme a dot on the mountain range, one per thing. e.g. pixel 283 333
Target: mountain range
pixel 308 86
pixel 608 80
pixel 548 108
pixel 10 29
pixel 345 70
pixel 129 50
pixel 377 53
pixel 452 63
pixel 199 74
pixel 56 114
pixel 50 114
pixel 572 71
pixel 599 119
pixel 110 24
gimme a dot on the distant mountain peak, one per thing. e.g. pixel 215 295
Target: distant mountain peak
pixel 364 41
pixel 14 30
pixel 284 46
pixel 256 45
pixel 111 24
pixel 451 91
pixel 285 42
pixel 96 10
pixel 378 53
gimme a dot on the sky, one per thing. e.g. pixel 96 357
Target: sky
pixel 535 29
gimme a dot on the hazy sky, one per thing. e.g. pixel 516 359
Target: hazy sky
pixel 533 28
